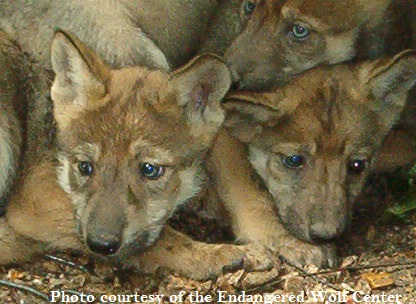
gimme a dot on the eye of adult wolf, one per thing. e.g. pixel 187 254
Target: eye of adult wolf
pixel 85 168
pixel 300 31
pixel 249 7
pixel 151 171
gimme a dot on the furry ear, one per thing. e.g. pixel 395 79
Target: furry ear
pixel 198 89
pixel 389 83
pixel 248 112
pixel 80 78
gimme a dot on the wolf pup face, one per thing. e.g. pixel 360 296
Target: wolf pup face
pixel 131 141
pixel 284 38
pixel 314 141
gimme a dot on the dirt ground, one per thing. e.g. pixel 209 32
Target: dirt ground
pixel 370 246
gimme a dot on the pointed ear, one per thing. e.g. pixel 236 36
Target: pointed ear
pixel 389 83
pixel 80 78
pixel 249 112
pixel 198 89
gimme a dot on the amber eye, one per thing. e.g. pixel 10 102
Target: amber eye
pixel 249 7
pixel 85 168
pixel 151 171
pixel 293 161
pixel 356 166
pixel 300 31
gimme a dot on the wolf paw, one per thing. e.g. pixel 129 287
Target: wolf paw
pixel 301 254
pixel 230 258
pixel 258 258
pixel 218 259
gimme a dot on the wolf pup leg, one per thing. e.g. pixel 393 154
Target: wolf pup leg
pixel 194 259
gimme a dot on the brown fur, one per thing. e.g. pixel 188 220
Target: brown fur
pixel 267 53
pixel 329 116
pixel 117 120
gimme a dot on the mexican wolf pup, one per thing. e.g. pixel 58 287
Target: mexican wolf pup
pixel 129 148
pixel 315 141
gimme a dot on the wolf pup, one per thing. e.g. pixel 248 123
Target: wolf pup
pixel 157 34
pixel 284 38
pixel 129 148
pixel 315 141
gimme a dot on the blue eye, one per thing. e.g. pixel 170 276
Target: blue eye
pixel 299 31
pixel 85 168
pixel 293 161
pixel 249 7
pixel 151 171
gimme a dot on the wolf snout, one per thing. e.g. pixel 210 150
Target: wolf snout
pixel 320 233
pixel 103 246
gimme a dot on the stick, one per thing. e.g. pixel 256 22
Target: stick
pixel 65 262
pixel 25 288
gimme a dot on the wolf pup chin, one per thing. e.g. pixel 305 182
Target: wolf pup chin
pixel 315 141
pixel 129 149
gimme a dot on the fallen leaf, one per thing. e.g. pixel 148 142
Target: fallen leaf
pixel 378 280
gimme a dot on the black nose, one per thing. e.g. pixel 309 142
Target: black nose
pixel 324 234
pixel 102 246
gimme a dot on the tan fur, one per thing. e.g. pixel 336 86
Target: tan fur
pixel 117 120
pixel 329 116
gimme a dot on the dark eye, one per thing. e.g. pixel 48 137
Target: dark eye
pixel 356 166
pixel 299 31
pixel 293 162
pixel 249 7
pixel 85 168
pixel 150 171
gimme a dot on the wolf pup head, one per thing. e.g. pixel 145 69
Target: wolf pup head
pixel 131 141
pixel 284 38
pixel 314 141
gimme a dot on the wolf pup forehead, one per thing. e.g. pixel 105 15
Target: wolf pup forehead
pixel 131 141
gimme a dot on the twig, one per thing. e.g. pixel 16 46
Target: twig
pixel 25 288
pixel 363 267
pixel 65 262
